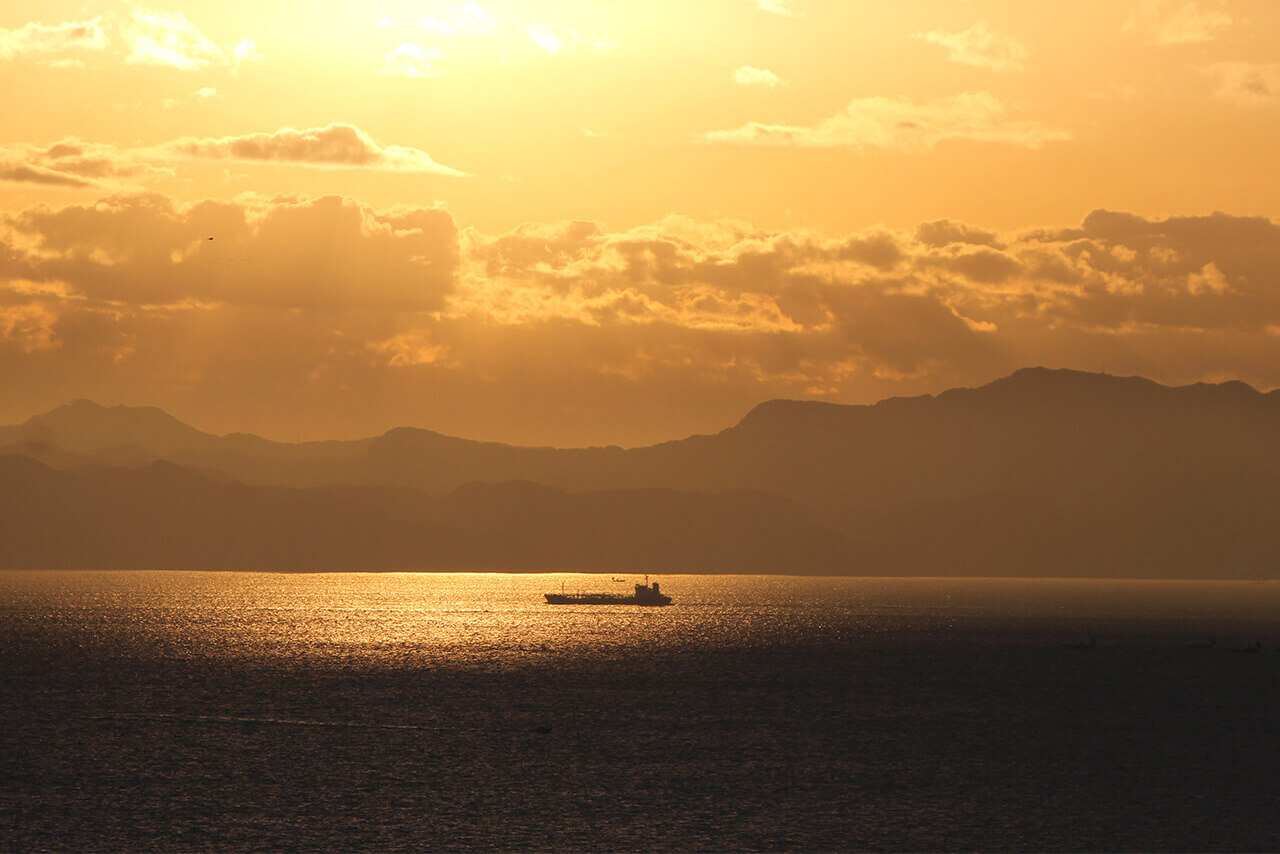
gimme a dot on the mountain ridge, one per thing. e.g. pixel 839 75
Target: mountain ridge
pixel 1042 472
pixel 41 424
pixel 1036 423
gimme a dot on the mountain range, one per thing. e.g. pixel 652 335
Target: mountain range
pixel 1043 472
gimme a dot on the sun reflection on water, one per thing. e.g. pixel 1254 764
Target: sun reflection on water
pixel 490 619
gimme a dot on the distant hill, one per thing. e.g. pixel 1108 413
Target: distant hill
pixel 161 516
pixel 84 432
pixel 1053 433
pixel 1042 472
pixel 83 426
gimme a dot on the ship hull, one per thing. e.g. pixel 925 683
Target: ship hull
pixel 603 599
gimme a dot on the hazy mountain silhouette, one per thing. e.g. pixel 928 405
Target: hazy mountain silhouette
pixel 1044 471
pixel 85 432
pixel 1054 433
pixel 164 516
pixel 83 426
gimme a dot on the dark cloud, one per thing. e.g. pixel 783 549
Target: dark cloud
pixel 986 266
pixel 877 249
pixel 1216 271
pixel 944 232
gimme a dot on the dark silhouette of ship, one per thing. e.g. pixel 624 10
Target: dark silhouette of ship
pixel 646 594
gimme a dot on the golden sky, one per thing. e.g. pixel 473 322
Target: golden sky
pixel 620 222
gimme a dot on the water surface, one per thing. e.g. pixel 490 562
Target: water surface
pixel 234 711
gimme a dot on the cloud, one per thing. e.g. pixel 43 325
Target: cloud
pixel 570 332
pixel 89 159
pixel 334 146
pixel 151 38
pixel 944 232
pixel 553 38
pixel 904 306
pixel 73 162
pixel 30 327
pixel 901 124
pixel 749 76
pixel 26 173
pixel 462 18
pixel 776 7
pixel 979 46
pixel 982 265
pixel 410 60
pixel 406 349
pixel 1250 84
pixel 245 50
pixel 1169 22
pixel 204 93
pixel 168 39
pixel 47 41
pixel 318 254
pixel 545 38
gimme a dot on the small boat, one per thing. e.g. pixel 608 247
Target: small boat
pixel 646 594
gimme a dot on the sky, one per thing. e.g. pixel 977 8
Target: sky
pixel 625 221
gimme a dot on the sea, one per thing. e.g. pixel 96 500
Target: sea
pixel 176 711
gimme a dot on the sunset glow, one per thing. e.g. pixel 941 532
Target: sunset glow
pixel 571 223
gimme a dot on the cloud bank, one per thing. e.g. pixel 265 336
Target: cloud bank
pixel 328 253
pixel 324 316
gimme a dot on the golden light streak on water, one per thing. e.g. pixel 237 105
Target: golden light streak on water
pixel 502 619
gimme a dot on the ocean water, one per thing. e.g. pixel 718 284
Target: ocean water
pixel 408 711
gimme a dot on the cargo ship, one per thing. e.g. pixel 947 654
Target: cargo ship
pixel 646 594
